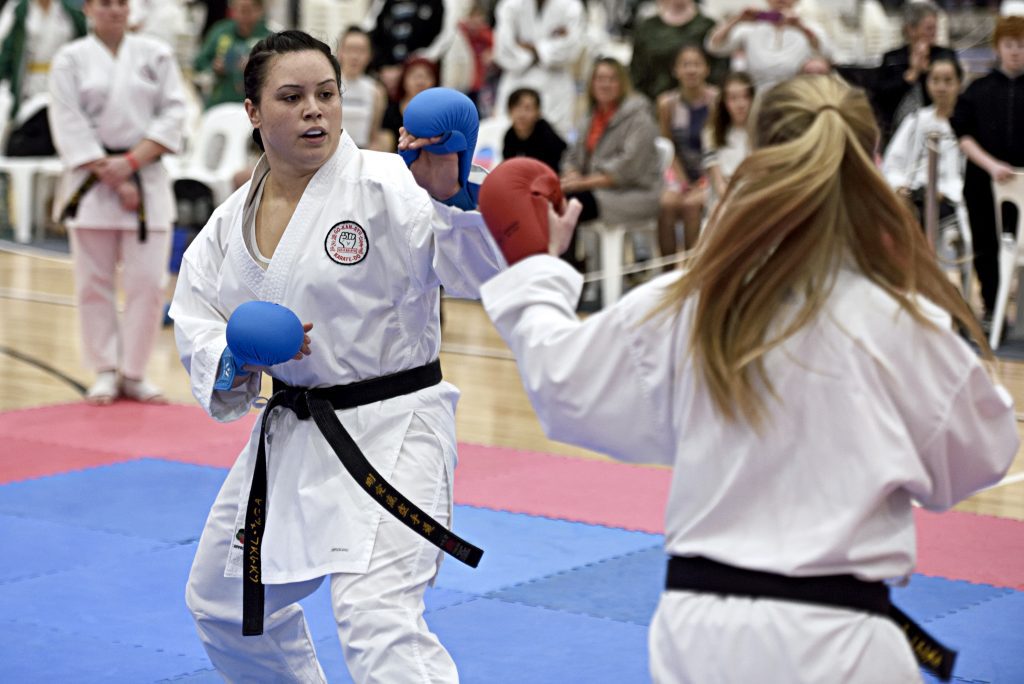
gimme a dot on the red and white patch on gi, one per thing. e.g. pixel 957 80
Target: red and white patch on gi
pixel 346 243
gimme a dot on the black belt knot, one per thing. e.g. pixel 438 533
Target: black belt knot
pixel 320 404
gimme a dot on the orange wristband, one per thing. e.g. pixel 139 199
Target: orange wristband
pixel 132 161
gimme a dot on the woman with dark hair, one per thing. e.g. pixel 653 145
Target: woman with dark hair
pixel 418 74
pixel 530 135
pixel 356 244
pixel 803 376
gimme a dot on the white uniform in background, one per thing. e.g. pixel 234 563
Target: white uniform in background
pixel 374 312
pixel 771 53
pixel 556 31
pixel 905 164
pixel 46 31
pixel 876 411
pixel 101 100
pixel 359 102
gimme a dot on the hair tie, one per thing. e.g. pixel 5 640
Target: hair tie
pixel 832 107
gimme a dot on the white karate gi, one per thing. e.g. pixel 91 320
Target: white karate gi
pixel 556 31
pixel 101 100
pixel 905 164
pixel 772 53
pixel 875 410
pixel 374 316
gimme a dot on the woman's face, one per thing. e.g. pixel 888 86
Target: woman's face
pixel 605 87
pixel 943 84
pixel 354 53
pixel 417 79
pixel 1011 54
pixel 738 102
pixel 926 30
pixel 525 115
pixel 107 16
pixel 691 69
pixel 299 114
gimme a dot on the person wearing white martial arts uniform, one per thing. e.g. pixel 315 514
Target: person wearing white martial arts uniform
pixel 802 376
pixel 350 241
pixel 536 44
pixel 117 106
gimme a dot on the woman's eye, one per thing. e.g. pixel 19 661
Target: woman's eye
pixel 327 94
pixel 290 98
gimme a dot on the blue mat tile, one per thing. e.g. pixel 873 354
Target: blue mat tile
pixel 35 654
pixel 149 498
pixel 37 547
pixel 139 601
pixel 989 637
pixel 519 548
pixel 493 641
pixel 928 598
pixel 626 588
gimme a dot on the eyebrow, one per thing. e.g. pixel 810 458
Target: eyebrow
pixel 296 85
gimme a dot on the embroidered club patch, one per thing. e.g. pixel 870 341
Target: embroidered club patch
pixel 346 243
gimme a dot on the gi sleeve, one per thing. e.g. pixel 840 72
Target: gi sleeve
pixel 898 165
pixel 453 248
pixel 736 40
pixel 200 325
pixel 73 133
pixel 603 384
pixel 961 423
pixel 561 47
pixel 168 123
pixel 507 52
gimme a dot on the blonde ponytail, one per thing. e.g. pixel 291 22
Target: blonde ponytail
pixel 807 200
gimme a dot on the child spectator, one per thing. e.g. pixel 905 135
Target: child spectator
pixel 726 142
pixel 530 135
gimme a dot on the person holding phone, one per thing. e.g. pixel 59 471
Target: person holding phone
pixel 776 42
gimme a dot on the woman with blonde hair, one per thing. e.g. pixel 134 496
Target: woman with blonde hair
pixel 803 376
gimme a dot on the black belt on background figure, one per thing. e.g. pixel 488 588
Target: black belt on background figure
pixel 841 591
pixel 71 208
pixel 320 405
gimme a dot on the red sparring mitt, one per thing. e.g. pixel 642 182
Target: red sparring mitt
pixel 514 202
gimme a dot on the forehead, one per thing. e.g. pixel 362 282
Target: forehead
pixel 298 68
pixel 360 39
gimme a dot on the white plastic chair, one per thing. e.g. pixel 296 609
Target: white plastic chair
pixel 612 236
pixel 1011 248
pixel 490 141
pixel 220 149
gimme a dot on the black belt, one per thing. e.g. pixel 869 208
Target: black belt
pixel 320 405
pixel 71 208
pixel 842 591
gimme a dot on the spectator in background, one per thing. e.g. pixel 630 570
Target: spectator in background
pixel 726 142
pixel 401 30
pixel 31 33
pixel 118 106
pixel 226 50
pixel 363 97
pixel 817 65
pixel 611 167
pixel 988 120
pixel 530 135
pixel 775 43
pixel 417 75
pixel 900 88
pixel 682 113
pixel 906 158
pixel 656 44
pixel 480 38
pixel 536 44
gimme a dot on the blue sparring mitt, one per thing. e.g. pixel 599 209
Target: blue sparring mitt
pixel 264 334
pixel 449 114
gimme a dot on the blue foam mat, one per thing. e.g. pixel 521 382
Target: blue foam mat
pixel 626 588
pixel 553 601
pixel 38 547
pixel 148 498
pixel 519 548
